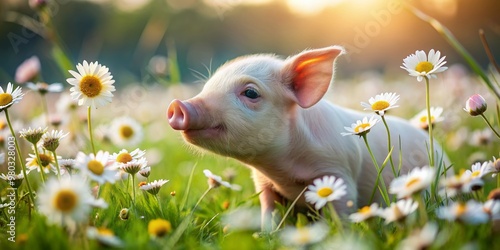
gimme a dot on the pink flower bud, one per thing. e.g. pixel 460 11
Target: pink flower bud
pixel 37 4
pixel 475 105
pixel 28 70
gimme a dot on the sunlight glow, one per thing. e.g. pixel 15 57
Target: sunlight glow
pixel 310 7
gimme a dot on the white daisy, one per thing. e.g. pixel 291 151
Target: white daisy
pixel 14 180
pixel 68 201
pixel 361 127
pixel 471 212
pixel 67 164
pixel 32 135
pixel 399 210
pixel 9 97
pixel 459 184
pixel 492 208
pixel 4 205
pixel 92 84
pixel 97 167
pixel 126 131
pixel 479 170
pixel 420 239
pixel 325 189
pixel 215 181
pixel 134 166
pixel 44 88
pixel 422 65
pixel 50 140
pixel 496 166
pixel 416 180
pixel 124 156
pixel 104 236
pixel 365 213
pixel 46 164
pixel 381 103
pixel 153 187
pixel 145 172
pixel 66 104
pixel 481 137
pixel 420 120
pixel 302 236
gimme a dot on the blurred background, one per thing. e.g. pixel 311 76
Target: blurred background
pixel 135 37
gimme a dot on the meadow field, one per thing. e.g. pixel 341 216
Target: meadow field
pixel 85 167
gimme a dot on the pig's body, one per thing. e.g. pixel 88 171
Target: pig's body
pixel 268 113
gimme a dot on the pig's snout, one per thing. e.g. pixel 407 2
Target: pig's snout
pixel 183 116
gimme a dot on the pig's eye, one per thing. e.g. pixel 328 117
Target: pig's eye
pixel 251 93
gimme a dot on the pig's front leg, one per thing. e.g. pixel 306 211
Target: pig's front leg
pixel 267 199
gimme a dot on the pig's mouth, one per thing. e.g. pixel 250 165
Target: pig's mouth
pixel 210 132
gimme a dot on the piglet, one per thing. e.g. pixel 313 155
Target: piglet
pixel 269 114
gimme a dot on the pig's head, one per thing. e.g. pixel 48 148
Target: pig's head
pixel 246 110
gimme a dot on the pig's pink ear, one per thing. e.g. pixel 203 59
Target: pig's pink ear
pixel 309 74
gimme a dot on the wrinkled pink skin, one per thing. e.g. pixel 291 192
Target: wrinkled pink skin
pixel 289 136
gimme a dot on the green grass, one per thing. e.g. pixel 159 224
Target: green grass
pixel 202 226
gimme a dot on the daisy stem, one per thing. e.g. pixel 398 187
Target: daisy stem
pixel 422 209
pixel 57 165
pixel 490 125
pixel 20 158
pixel 389 145
pixel 39 162
pixel 201 198
pixel 429 122
pixel 133 188
pixel 383 189
pixel 89 123
pixel 336 218
pixel 159 205
pixel 45 109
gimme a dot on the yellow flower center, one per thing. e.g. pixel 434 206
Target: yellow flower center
pixel 412 182
pixel 5 98
pixel 365 210
pixel 325 192
pixel 65 200
pixel 90 86
pixel 105 231
pixel 361 127
pixel 126 131
pixel 304 236
pixel 95 167
pixel 424 118
pixel 159 227
pixel 424 67
pixel 142 183
pixel 124 158
pixel 475 173
pixel 45 160
pixel 461 209
pixel 380 105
